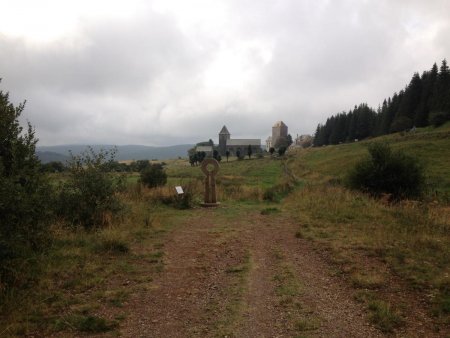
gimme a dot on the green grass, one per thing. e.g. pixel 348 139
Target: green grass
pixel 431 146
pixel 270 210
pixel 262 173
pixel 383 316
pixel 79 274
pixel 84 323
pixel 412 237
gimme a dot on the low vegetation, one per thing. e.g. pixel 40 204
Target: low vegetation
pixel 153 175
pixel 409 238
pixel 386 172
pixel 89 195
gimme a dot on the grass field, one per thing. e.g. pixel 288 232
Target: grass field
pixel 82 269
pixel 431 147
pixel 367 240
pixel 410 239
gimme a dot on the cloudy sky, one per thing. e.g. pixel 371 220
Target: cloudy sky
pixel 164 72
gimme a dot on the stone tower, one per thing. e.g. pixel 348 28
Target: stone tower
pixel 279 129
pixel 224 135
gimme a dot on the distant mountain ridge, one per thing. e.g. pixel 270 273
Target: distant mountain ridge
pixel 125 152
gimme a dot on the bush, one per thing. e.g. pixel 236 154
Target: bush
pixel 281 151
pixel 89 196
pixel 25 200
pixel 153 176
pixel 277 192
pixel 384 171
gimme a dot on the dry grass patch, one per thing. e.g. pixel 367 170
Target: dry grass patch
pixel 412 238
pixel 367 281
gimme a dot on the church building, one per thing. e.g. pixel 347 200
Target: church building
pixel 234 145
pixel 279 130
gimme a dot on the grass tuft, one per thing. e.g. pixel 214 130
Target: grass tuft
pixel 269 211
pixel 306 324
pixel 367 281
pixel 383 316
pixel 84 323
pixel 113 246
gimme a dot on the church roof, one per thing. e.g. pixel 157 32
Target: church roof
pixel 224 131
pixel 279 124
pixel 206 149
pixel 243 142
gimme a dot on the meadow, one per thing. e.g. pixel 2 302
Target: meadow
pixel 376 247
pixel 409 239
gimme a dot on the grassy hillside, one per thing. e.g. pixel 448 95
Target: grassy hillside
pixel 431 147
pixel 370 240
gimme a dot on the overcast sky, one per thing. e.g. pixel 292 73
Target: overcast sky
pixel 169 72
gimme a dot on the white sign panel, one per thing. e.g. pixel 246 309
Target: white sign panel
pixel 179 190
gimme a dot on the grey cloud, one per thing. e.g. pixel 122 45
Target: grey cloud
pixel 140 80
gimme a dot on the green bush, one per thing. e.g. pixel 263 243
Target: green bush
pixel 89 197
pixel 25 200
pixel 385 171
pixel 277 192
pixel 153 176
pixel 281 151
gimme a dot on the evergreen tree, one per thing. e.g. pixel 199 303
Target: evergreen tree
pixel 425 100
pixel 441 97
pixel 422 111
pixel 411 98
pixel 249 151
pixel 393 109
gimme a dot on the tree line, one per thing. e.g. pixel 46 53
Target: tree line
pixel 424 101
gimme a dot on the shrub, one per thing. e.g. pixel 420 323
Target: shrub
pixel 89 196
pixel 277 192
pixel 281 151
pixel 25 200
pixel 384 171
pixel 179 201
pixel 153 176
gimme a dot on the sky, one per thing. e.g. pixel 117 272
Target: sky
pixel 166 72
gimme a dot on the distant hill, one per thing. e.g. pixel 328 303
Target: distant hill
pixel 127 152
pixel 51 156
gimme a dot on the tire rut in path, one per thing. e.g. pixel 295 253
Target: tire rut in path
pixel 321 296
pixel 192 296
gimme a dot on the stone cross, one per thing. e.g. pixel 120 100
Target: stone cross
pixel 210 168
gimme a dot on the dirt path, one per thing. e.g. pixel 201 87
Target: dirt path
pixel 291 289
pixel 229 274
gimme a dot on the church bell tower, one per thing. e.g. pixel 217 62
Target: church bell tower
pixel 224 135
